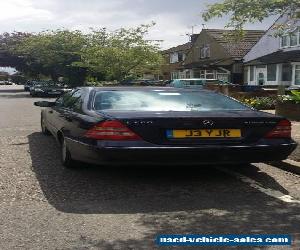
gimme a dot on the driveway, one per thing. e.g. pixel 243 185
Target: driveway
pixel 44 206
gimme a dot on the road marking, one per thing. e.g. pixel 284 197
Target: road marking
pixel 270 192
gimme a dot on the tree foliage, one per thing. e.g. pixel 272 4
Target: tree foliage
pixel 9 41
pixel 241 12
pixel 53 53
pixel 121 53
pixel 111 55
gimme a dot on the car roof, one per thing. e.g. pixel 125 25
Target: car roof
pixel 147 88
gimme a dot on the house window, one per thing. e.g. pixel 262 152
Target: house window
pixel 209 74
pixel 196 73
pixel 294 39
pixel 291 39
pixel 251 73
pixel 246 75
pixel 175 75
pixel 287 71
pixel 285 41
pixel 181 57
pixel 297 75
pixel 272 70
pixel 222 75
pixel 174 57
pixel 202 73
pixel 206 74
pixel 187 74
pixel 205 51
pixel 202 52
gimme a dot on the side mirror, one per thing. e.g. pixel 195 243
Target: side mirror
pixel 44 104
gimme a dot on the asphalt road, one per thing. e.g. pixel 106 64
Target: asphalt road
pixel 44 206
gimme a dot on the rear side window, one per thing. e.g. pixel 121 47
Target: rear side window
pixel 71 100
pixel 161 100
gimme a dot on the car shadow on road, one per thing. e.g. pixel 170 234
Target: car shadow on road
pixel 167 200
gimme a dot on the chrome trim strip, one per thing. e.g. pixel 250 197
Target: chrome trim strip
pixel 207 146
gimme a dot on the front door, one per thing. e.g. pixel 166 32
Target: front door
pixel 261 75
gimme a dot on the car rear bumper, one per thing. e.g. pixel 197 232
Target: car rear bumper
pixel 179 155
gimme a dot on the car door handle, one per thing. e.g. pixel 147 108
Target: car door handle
pixel 50 111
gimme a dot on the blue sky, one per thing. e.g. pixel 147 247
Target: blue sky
pixel 173 18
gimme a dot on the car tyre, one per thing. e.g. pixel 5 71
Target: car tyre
pixel 66 158
pixel 44 128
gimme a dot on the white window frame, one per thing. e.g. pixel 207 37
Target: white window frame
pixel 273 81
pixel 174 57
pixel 202 52
pixel 297 31
pixel 174 75
pixel 205 51
pixel 294 73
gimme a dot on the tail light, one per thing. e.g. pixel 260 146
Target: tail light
pixel 111 130
pixel 282 130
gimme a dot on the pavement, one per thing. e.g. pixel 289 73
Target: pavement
pixel 44 206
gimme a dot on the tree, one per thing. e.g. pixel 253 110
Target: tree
pixel 74 55
pixel 250 11
pixel 53 53
pixel 121 53
pixel 8 42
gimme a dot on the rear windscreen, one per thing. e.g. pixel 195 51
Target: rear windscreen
pixel 160 100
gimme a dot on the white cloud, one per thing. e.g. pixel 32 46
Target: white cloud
pixel 174 18
pixel 20 10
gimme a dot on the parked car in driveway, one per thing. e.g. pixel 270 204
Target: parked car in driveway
pixel 27 85
pixel 161 125
pixel 48 89
pixel 6 82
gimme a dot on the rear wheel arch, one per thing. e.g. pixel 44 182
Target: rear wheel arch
pixel 66 157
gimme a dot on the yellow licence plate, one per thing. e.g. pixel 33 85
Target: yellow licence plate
pixel 204 133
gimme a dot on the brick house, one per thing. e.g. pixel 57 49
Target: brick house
pixel 214 55
pixel 174 58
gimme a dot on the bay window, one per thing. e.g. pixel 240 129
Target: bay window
pixel 297 75
pixel 251 73
pixel 271 72
pixel 209 74
pixel 287 71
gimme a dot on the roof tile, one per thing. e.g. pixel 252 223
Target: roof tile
pixel 237 49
